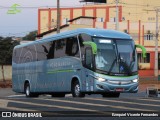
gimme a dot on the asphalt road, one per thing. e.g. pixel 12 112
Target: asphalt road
pixel 91 107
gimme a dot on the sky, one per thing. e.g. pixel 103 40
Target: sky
pixel 22 23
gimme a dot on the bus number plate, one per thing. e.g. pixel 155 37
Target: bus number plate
pixel 119 89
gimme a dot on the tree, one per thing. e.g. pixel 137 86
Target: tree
pixel 1 38
pixel 6 49
pixel 31 36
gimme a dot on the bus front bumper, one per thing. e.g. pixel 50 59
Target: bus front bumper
pixel 106 87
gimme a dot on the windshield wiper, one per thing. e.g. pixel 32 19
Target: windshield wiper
pixel 126 67
pixel 121 63
pixel 112 66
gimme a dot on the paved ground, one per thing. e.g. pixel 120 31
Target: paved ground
pixel 91 107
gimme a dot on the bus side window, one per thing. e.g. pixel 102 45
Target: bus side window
pixel 16 55
pixel 41 52
pixel 72 48
pixel 49 50
pixel 28 54
pixel 60 46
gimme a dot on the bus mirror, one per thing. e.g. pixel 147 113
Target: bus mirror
pixel 143 50
pixel 93 45
pixel 88 58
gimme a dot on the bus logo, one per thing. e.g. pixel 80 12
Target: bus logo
pixel 121 68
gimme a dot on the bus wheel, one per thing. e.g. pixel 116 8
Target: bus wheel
pixel 76 90
pixel 28 92
pixel 115 95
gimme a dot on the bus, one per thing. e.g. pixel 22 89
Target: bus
pixel 77 62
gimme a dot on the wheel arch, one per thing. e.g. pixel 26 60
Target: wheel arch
pixel 75 78
pixel 25 82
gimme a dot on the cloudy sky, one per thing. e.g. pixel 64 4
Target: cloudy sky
pixel 25 21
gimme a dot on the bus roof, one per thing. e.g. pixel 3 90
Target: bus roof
pixel 90 31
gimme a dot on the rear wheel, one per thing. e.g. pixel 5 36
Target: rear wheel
pixel 110 94
pixel 28 92
pixel 76 92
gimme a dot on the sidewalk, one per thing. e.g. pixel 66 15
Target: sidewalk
pixel 144 83
pixel 6 92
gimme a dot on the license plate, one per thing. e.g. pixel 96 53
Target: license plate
pixel 119 89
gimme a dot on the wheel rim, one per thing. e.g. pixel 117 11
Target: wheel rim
pixel 27 91
pixel 77 90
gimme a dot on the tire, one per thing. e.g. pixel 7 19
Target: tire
pixel 110 94
pixel 58 95
pixel 76 90
pixel 28 92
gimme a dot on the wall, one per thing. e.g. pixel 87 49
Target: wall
pixel 7 72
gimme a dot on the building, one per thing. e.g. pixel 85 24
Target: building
pixel 79 22
pixel 134 19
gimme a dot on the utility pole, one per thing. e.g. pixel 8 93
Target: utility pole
pixel 156 44
pixel 157 10
pixel 58 16
pixel 117 15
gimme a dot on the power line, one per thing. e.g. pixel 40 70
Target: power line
pixel 37 7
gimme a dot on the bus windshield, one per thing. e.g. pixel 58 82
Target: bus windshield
pixel 115 56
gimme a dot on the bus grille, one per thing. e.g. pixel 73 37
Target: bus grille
pixel 119 82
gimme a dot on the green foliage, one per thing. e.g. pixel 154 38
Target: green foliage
pixel 31 36
pixel 6 49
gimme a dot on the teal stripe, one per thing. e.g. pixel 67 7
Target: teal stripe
pixel 59 71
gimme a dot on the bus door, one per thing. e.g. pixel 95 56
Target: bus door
pixel 88 69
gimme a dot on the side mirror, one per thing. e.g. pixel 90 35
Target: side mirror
pixel 92 45
pixel 143 50
pixel 88 58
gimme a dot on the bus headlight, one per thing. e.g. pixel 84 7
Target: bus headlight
pixel 135 80
pixel 101 79
pixel 98 78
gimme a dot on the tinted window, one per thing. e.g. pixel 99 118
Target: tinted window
pixel 72 48
pixel 48 49
pixel 67 47
pixel 60 47
pixel 85 37
pixel 26 54
pixel 42 51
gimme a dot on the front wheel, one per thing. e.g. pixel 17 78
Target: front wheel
pixel 110 94
pixel 76 90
